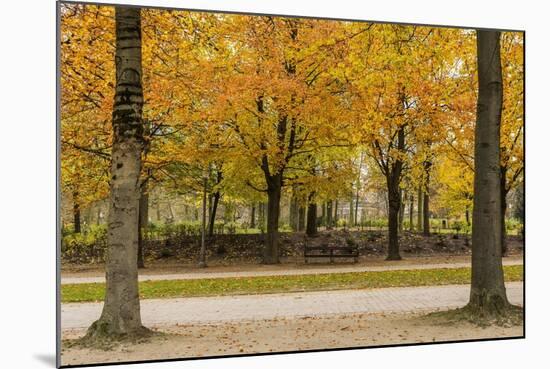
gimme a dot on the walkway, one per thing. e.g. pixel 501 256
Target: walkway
pixel 306 269
pixel 200 310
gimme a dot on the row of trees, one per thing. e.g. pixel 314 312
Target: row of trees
pixel 262 105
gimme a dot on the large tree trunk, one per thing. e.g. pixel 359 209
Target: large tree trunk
pixel 143 221
pixel 311 227
pixel 488 293
pixel 121 316
pixel 76 212
pixel 271 250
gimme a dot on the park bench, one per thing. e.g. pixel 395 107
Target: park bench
pixel 331 252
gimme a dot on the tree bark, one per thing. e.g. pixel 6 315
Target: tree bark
pixel 503 206
pixel 419 223
pixel 271 251
pixel 329 214
pixel 301 218
pixel 401 217
pixel 253 217
pixel 394 202
pixel 488 293
pixel 311 227
pixel 426 205
pixel 76 212
pixel 411 210
pixel 215 203
pixel 121 316
pixel 202 255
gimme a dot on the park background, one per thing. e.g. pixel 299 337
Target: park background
pixel 35 184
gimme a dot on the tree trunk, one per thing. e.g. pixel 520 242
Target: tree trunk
pixel 351 210
pixel 401 217
pixel 271 251
pixel 468 217
pixel 336 213
pixel 419 223
pixel 76 212
pixel 488 293
pixel 121 316
pixel 394 202
pixel 411 210
pixel 426 206
pixel 212 218
pixel 253 217
pixel 503 206
pixel 311 227
pixel 202 255
pixel 329 214
pixel 301 218
pixel 215 202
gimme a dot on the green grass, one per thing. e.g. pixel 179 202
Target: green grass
pixel 293 283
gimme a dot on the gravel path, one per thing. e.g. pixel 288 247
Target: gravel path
pixel 256 273
pixel 163 312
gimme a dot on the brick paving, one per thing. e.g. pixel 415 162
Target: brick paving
pixel 201 310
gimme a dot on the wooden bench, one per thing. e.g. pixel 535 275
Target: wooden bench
pixel 326 251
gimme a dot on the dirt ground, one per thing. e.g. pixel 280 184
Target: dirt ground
pixel 334 331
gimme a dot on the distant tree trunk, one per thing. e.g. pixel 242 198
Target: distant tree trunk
pixel 202 255
pixel 311 227
pixel 401 217
pixel 329 214
pixel 120 317
pixel 503 206
pixel 351 210
pixel 468 217
pixel 426 207
pixel 215 202
pixel 323 214
pixel 253 216
pixel 336 213
pixel 411 210
pixel 143 221
pixel 301 218
pixel 76 212
pixel 292 214
pixel 488 293
pixel 356 208
pixel 419 223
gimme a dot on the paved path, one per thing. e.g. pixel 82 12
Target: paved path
pixel 159 312
pixel 305 270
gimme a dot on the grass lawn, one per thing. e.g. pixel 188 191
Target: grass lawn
pixel 293 283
